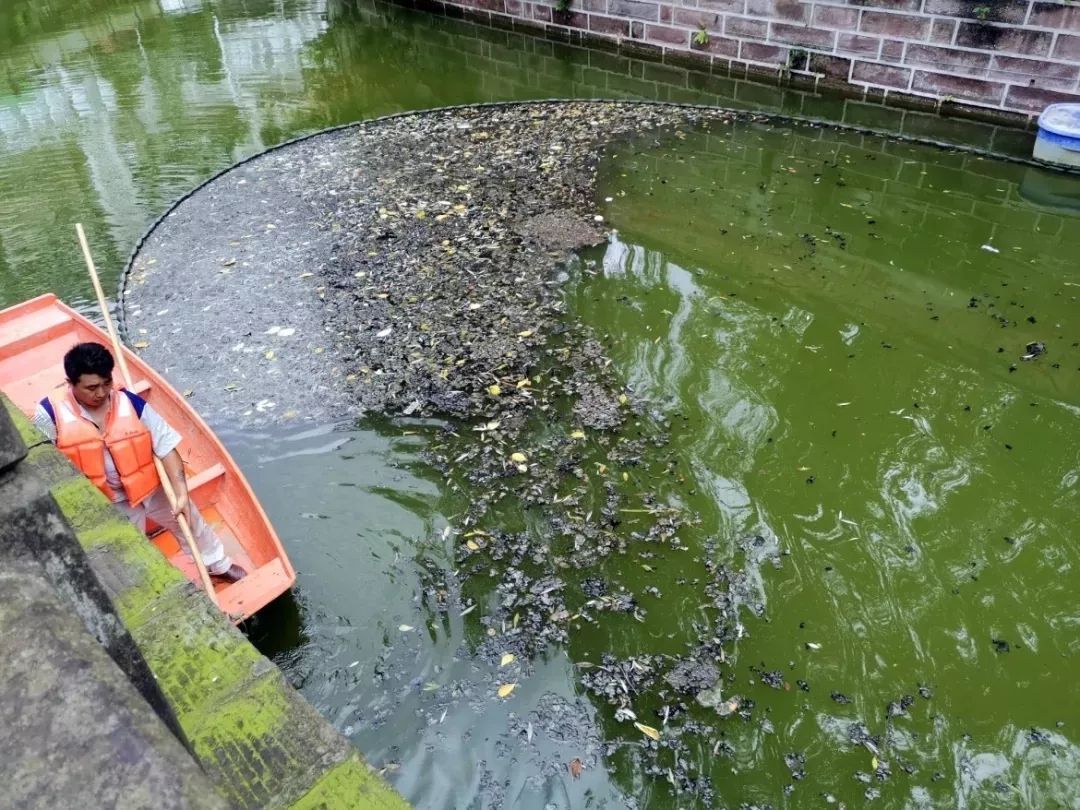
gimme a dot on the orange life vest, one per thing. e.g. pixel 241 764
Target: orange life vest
pixel 126 437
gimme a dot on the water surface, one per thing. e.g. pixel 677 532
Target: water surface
pixel 828 326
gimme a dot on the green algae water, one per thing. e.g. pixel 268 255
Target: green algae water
pixel 829 328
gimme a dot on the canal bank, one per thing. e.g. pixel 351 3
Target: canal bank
pixel 79 576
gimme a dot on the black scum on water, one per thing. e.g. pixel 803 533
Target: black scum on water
pixel 445 289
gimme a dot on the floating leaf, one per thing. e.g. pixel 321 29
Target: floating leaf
pixel 506 689
pixel 578 434
pixel 421 214
pixel 269 355
pixel 188 392
pixel 494 390
pixel 575 767
pixel 522 468
pixel 524 383
pixel 626 476
pixel 622 399
pixel 472 545
pixel 508 658
pixel 648 731
pixel 526 333
pixel 142 344
pixel 430 686
pixel 518 457
pixel 404 628
pixel 873 763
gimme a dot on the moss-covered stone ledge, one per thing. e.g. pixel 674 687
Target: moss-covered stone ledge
pixel 261 743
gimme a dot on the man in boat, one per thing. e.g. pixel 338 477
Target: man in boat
pixel 110 437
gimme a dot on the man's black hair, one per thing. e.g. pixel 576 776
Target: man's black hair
pixel 88 358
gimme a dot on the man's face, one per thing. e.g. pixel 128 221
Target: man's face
pixel 92 390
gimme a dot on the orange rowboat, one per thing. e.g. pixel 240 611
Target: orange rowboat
pixel 35 335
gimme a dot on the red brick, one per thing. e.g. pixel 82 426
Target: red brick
pixel 892 5
pixel 995 38
pixel 1010 11
pixel 907 26
pixel 786 10
pixel 1048 75
pixel 746 27
pixel 637 30
pixel 858 46
pixel 736 6
pixel 802 35
pixel 1036 100
pixel 634 8
pixel 1068 47
pixel 759 52
pixel 874 73
pixel 591 5
pixel 835 67
pixel 947 60
pixel 718 46
pixel 842 19
pixel 692 18
pixel 487 5
pixel 667 35
pixel 943 31
pixel 665 14
pixel 960 87
pixel 609 25
pixel 892 50
pixel 1055 15
pixel 571 19
pixel 541 12
pixel 514 7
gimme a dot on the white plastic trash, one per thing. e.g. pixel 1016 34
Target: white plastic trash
pixel 1059 135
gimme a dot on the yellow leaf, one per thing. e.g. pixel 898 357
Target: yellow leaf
pixel 524 383
pixel 625 477
pixel 526 333
pixel 142 344
pixel 421 214
pixel 873 763
pixel 578 434
pixel 648 731
pixel 518 457
pixel 522 468
pixel 494 390
pixel 472 545
pixel 622 399
pixel 508 658
pixel 506 689
pixel 269 355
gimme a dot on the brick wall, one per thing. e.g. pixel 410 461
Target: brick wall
pixel 1006 55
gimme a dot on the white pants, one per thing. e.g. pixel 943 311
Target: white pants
pixel 156 508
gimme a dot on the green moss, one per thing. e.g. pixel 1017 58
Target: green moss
pixel 83 504
pixel 351 784
pixel 197 658
pixel 30 434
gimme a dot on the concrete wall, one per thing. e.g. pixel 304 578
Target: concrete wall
pixel 258 742
pixel 995 55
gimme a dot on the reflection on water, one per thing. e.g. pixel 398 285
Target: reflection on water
pixel 830 324
pixel 840 356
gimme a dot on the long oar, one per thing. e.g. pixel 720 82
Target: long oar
pixel 118 352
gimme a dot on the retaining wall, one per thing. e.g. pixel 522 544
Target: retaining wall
pixel 260 744
pixel 1010 57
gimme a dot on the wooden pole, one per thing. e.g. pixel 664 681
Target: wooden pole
pixel 118 352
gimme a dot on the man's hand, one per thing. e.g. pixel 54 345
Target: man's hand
pixel 182 506
pixel 174 468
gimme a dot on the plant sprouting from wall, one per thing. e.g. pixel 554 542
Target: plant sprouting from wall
pixel 562 5
pixel 701 36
